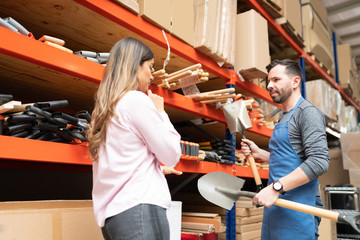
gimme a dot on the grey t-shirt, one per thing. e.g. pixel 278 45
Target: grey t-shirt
pixel 307 135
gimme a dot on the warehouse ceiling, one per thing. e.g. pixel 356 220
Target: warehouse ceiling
pixel 344 16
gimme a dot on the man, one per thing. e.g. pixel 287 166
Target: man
pixel 298 155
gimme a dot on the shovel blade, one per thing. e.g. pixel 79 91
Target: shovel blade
pixel 237 117
pixel 210 183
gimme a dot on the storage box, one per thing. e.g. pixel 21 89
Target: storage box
pixel 327 230
pixel 174 218
pixel 347 70
pixel 157 11
pixel 350 147
pixel 316 37
pixel 214 31
pixel 319 9
pixel 252 42
pixel 132 5
pixel 183 20
pixel 292 12
pixel 354 175
pixel 44 220
pixel 335 174
pixel 323 96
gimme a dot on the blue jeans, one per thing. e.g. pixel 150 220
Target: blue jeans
pixel 142 222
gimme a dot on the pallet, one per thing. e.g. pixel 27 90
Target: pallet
pixel 291 31
pixel 328 71
pixel 270 8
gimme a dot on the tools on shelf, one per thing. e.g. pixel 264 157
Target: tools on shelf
pixel 40 121
pixel 55 42
pixel 100 58
pixel 217 151
pixel 180 79
pixel 189 150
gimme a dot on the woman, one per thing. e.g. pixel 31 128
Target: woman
pixel 130 136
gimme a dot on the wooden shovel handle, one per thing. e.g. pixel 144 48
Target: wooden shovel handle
pixel 254 170
pixel 332 215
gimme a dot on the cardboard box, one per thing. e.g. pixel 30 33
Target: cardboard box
pixel 336 174
pixel 214 31
pixel 183 20
pixel 132 5
pixel 44 220
pixel 157 11
pixel 319 9
pixel 316 37
pixel 252 42
pixel 355 177
pixel 350 147
pixel 323 96
pixel 347 69
pixel 292 12
pixel 327 230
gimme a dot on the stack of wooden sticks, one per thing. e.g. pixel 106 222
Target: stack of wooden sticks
pixel 214 96
pixel 192 75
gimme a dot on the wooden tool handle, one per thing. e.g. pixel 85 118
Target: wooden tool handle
pixel 221 91
pixel 332 215
pixel 158 73
pixel 193 67
pixel 254 170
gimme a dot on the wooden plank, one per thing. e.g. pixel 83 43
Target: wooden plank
pixel 215 221
pixel 248 227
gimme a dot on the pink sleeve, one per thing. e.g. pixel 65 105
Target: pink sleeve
pixel 156 129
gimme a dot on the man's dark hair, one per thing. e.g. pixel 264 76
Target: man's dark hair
pixel 292 67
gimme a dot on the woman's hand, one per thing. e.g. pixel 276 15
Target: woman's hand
pixel 170 170
pixel 158 101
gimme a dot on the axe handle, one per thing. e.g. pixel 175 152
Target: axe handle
pixel 332 215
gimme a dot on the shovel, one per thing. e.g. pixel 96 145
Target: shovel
pixel 238 120
pixel 223 190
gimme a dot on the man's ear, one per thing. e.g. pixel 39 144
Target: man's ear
pixel 296 81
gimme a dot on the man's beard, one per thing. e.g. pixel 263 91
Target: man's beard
pixel 280 98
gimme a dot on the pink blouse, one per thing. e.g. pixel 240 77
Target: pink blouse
pixel 128 171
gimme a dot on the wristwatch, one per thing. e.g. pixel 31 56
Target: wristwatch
pixel 277 186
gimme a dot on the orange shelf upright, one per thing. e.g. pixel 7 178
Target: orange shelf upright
pixel 277 27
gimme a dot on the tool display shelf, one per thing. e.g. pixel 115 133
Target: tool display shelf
pixel 314 65
pixel 37 151
pixel 48 71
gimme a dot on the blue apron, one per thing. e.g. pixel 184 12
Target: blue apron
pixel 281 223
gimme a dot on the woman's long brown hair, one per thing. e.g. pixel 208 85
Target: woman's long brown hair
pixel 120 77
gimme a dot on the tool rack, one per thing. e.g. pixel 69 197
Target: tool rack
pixel 47 71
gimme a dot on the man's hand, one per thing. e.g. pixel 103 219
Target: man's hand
pixel 245 144
pixel 266 196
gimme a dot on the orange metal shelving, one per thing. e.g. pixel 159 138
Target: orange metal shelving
pixel 33 51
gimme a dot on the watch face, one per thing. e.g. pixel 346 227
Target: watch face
pixel 277 186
